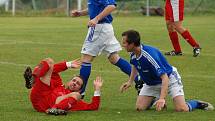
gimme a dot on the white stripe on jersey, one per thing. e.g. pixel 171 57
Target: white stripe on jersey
pixel 150 59
pixel 175 9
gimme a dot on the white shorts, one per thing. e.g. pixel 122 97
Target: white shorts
pixel 100 39
pixel 175 87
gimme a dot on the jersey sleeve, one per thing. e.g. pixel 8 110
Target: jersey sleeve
pixel 59 67
pixel 84 106
pixel 108 2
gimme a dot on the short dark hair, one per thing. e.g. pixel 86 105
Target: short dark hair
pixel 132 37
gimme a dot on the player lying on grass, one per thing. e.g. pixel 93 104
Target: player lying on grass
pixel 159 76
pixel 49 95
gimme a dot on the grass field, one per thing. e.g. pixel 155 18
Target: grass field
pixel 25 41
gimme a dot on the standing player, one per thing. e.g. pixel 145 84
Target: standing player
pixel 174 15
pixel 159 76
pixel 100 38
pixel 48 93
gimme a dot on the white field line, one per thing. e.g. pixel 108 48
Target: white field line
pixel 74 45
pixel 115 72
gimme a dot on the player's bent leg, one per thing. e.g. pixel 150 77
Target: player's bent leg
pixel 178 27
pixel 174 40
pixel 180 104
pixel 143 102
pixel 46 78
pixel 85 70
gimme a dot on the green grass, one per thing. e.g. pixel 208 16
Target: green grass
pixel 25 41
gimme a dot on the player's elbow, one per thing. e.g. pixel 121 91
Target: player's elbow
pixel 112 7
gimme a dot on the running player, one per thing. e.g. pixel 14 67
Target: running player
pixel 100 38
pixel 174 15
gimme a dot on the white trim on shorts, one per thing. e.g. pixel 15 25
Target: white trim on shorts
pixel 175 87
pixel 100 39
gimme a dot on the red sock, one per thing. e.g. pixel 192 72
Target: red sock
pixel 41 69
pixel 66 104
pixel 187 36
pixel 175 41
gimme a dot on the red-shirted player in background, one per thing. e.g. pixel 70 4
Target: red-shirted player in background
pixel 174 14
pixel 48 94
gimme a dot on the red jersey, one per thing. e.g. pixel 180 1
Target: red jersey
pixel 44 96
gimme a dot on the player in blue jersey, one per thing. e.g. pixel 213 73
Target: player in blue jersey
pixel 100 38
pixel 159 76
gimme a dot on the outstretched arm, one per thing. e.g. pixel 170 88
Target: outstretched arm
pixel 77 13
pixel 94 105
pixel 62 66
pixel 127 84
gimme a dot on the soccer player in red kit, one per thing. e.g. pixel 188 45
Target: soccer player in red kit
pixel 48 94
pixel 174 15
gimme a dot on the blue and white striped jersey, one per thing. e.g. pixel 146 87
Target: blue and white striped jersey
pixel 95 7
pixel 151 64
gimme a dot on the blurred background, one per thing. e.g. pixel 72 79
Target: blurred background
pixel 62 7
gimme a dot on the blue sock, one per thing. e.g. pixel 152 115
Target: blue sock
pixel 85 73
pixel 192 104
pixel 125 67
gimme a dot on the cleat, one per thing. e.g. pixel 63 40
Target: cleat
pixel 56 112
pixel 196 51
pixel 29 81
pixel 173 53
pixel 205 105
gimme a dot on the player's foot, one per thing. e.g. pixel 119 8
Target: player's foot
pixel 29 81
pixel 55 111
pixel 205 105
pixel 139 85
pixel 196 51
pixel 173 53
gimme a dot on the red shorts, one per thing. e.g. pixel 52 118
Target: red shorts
pixel 174 10
pixel 41 96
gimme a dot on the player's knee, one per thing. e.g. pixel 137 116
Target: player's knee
pixel 182 108
pixel 113 58
pixel 50 61
pixel 140 107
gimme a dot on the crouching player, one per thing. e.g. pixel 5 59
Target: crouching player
pixel 159 76
pixel 49 95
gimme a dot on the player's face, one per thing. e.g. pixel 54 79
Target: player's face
pixel 75 84
pixel 128 47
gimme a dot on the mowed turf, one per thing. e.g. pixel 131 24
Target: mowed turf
pixel 25 41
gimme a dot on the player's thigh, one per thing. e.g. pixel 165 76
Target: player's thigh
pixel 47 77
pixel 94 41
pixel 180 104
pixel 146 95
pixel 143 102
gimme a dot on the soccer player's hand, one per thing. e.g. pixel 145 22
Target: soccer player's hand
pixel 98 83
pixel 125 86
pixel 160 104
pixel 75 13
pixel 93 22
pixel 76 63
